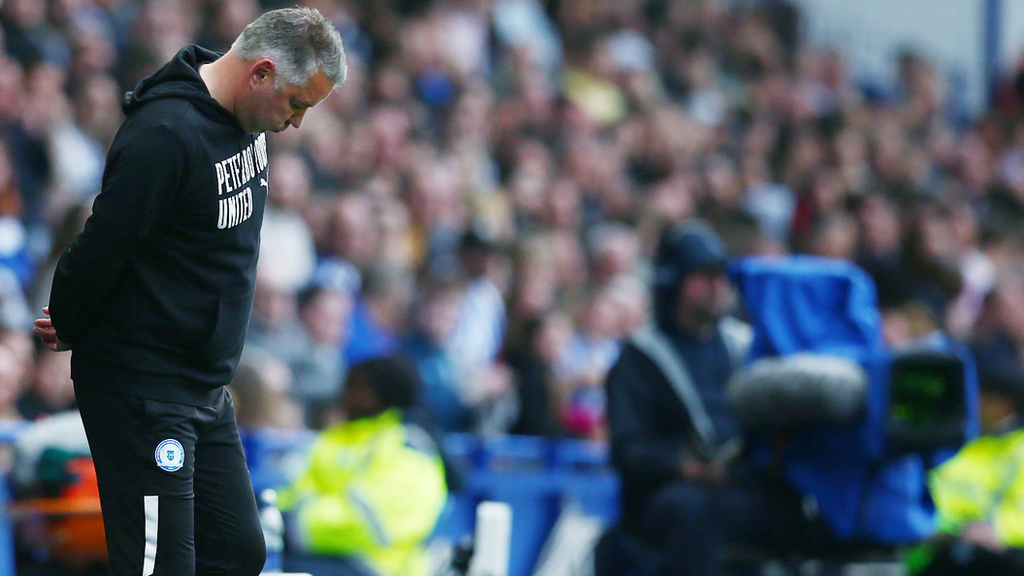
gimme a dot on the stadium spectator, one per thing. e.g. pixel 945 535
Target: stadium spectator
pixel 978 493
pixel 443 384
pixel 275 325
pixel 375 484
pixel 581 368
pixel 379 314
pixel 11 385
pixel 320 370
pixel 676 451
pixel 50 390
pixel 260 390
pixel 531 352
pixel 286 239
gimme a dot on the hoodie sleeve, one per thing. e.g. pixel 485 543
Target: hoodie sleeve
pixel 639 452
pixel 143 174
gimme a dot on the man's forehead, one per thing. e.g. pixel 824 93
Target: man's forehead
pixel 316 90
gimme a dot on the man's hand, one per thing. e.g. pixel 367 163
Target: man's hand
pixel 983 534
pixel 709 473
pixel 45 330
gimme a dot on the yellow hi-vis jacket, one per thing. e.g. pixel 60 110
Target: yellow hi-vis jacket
pixel 373 488
pixel 984 482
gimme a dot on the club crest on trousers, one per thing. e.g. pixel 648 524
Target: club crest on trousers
pixel 170 455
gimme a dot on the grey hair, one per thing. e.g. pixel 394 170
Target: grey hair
pixel 299 41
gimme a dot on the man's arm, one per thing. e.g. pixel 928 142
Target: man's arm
pixel 142 176
pixel 637 450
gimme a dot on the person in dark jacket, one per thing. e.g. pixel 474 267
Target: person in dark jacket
pixel 154 296
pixel 675 440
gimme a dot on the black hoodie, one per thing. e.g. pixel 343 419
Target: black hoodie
pixel 155 294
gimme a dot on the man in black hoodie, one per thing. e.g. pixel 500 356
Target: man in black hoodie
pixel 675 440
pixel 154 296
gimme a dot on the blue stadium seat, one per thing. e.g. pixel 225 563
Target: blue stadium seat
pixel 586 477
pixel 536 477
pixel 7 567
pixel 8 433
pixel 275 457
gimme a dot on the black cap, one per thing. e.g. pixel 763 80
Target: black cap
pixel 685 248
pixel 688 247
pixel 1005 381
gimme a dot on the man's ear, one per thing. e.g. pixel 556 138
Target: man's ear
pixel 261 71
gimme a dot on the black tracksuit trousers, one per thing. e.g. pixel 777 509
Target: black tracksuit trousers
pixel 174 486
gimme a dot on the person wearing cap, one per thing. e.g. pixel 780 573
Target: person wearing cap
pixel 979 493
pixel 675 441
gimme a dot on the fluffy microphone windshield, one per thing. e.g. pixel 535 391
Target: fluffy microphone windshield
pixel 799 389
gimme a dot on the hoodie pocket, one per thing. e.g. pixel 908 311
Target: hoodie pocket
pixel 183 325
pixel 229 330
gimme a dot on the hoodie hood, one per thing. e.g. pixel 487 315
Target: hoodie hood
pixel 179 78
pixel 688 247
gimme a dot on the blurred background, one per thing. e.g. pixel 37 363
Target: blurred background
pixel 484 194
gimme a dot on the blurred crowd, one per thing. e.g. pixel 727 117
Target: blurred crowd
pixel 484 193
